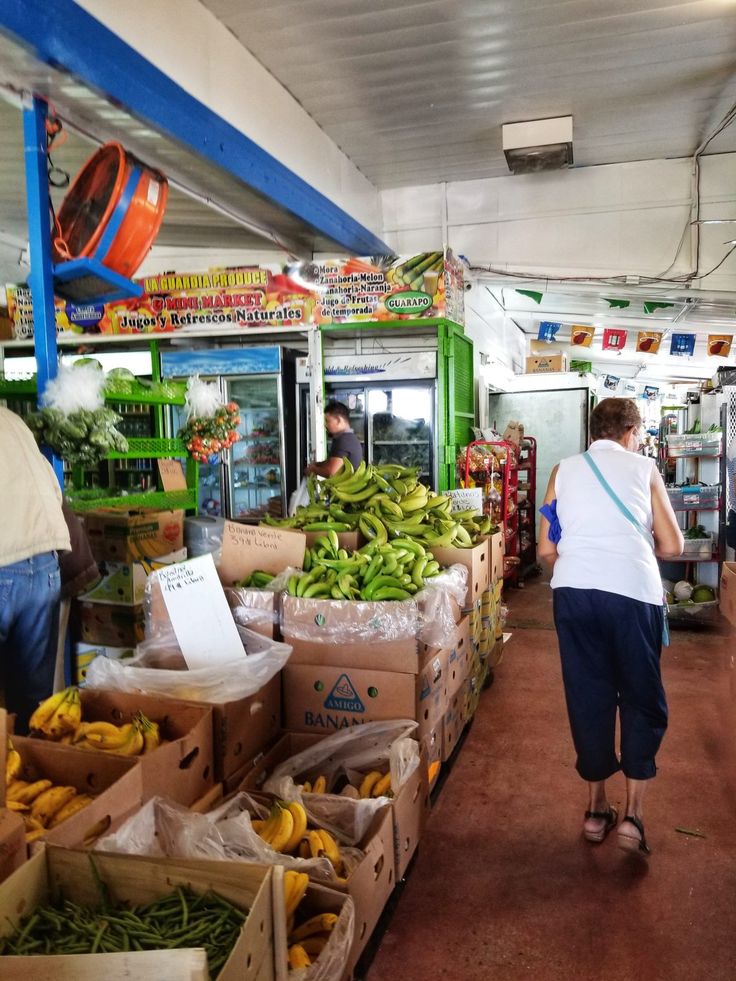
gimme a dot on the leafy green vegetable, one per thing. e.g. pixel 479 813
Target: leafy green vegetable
pixel 82 438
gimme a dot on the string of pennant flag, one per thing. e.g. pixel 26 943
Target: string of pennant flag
pixel 647 341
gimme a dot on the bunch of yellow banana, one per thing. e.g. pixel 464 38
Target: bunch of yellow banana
pixel 42 804
pixel 375 784
pixel 308 940
pixel 319 843
pixel 58 715
pixel 295 885
pixel 284 828
pixel 318 787
pixel 131 739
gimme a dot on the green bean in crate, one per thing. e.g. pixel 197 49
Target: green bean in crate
pixel 183 918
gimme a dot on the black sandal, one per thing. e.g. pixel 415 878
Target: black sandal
pixel 630 843
pixel 610 817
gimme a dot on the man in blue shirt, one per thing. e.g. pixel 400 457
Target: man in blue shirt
pixel 344 442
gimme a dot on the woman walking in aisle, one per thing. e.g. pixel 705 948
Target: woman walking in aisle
pixel 606 516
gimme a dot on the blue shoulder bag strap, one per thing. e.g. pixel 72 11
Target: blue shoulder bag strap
pixel 634 521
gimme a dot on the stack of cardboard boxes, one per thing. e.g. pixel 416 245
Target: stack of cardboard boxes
pixel 127 546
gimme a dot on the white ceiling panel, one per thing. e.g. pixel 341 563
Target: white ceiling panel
pixel 417 92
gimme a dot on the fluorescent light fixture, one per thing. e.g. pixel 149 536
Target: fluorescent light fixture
pixel 539 144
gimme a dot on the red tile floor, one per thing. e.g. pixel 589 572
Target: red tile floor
pixel 504 887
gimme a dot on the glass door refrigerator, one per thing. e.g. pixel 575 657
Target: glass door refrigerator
pixel 260 471
pixel 392 416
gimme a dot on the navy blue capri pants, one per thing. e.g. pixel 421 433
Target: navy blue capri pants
pixel 610 648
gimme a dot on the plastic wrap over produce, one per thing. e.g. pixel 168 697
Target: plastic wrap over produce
pixel 344 758
pixel 164 828
pixel 437 603
pixel 259 608
pixel 428 616
pixel 158 669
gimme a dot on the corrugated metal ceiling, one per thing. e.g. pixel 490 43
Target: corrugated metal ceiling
pixel 416 92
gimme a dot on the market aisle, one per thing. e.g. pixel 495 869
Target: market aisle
pixel 504 887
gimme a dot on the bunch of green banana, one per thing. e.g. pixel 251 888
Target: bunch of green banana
pixel 386 501
pixel 256 580
pixel 380 570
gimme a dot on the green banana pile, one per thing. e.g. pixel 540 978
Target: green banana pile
pixel 256 580
pixel 384 502
pixel 380 570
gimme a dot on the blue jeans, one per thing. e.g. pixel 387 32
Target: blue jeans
pixel 610 647
pixel 30 593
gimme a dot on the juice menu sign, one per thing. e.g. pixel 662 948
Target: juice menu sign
pixel 429 284
pixel 224 298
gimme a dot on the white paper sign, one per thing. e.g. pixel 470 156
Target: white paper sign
pixel 463 499
pixel 199 612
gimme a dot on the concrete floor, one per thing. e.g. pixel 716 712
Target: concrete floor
pixel 504 887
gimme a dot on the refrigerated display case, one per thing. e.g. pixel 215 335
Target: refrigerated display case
pixel 394 418
pixel 256 476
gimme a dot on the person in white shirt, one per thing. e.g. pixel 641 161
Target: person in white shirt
pixel 32 533
pixel 608 608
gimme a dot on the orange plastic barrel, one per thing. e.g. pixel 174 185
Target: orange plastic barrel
pixel 112 212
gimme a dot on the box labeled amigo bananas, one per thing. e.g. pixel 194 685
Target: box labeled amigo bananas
pixel 129 536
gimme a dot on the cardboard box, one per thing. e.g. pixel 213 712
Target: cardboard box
pixel 353 634
pixel 317 899
pixel 432 743
pixel 457 652
pixel 496 550
pixel 411 808
pixel 475 560
pixel 138 880
pixel 13 851
pixel 115 782
pixel 256 609
pixel 288 744
pixel 84 655
pixel 727 603
pixel 553 362
pixel 111 625
pixel 125 582
pixel 127 536
pixel 372 882
pixel 244 726
pixel 246 548
pixel 453 723
pixel 182 766
pixel 325 698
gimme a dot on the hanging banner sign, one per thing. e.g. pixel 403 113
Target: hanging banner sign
pixel 682 345
pixel 648 341
pixel 581 336
pixel 611 383
pixel 630 388
pixel 548 330
pixel 430 284
pixel 614 339
pixel 719 345
pixel 651 391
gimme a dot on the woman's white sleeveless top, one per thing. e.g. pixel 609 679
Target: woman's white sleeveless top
pixel 600 548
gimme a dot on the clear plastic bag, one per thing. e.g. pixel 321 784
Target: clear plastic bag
pixel 331 962
pixel 241 678
pixel 357 750
pixel 347 621
pixel 437 603
pixel 166 829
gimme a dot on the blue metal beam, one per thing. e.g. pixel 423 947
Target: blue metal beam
pixel 39 237
pixel 62 34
